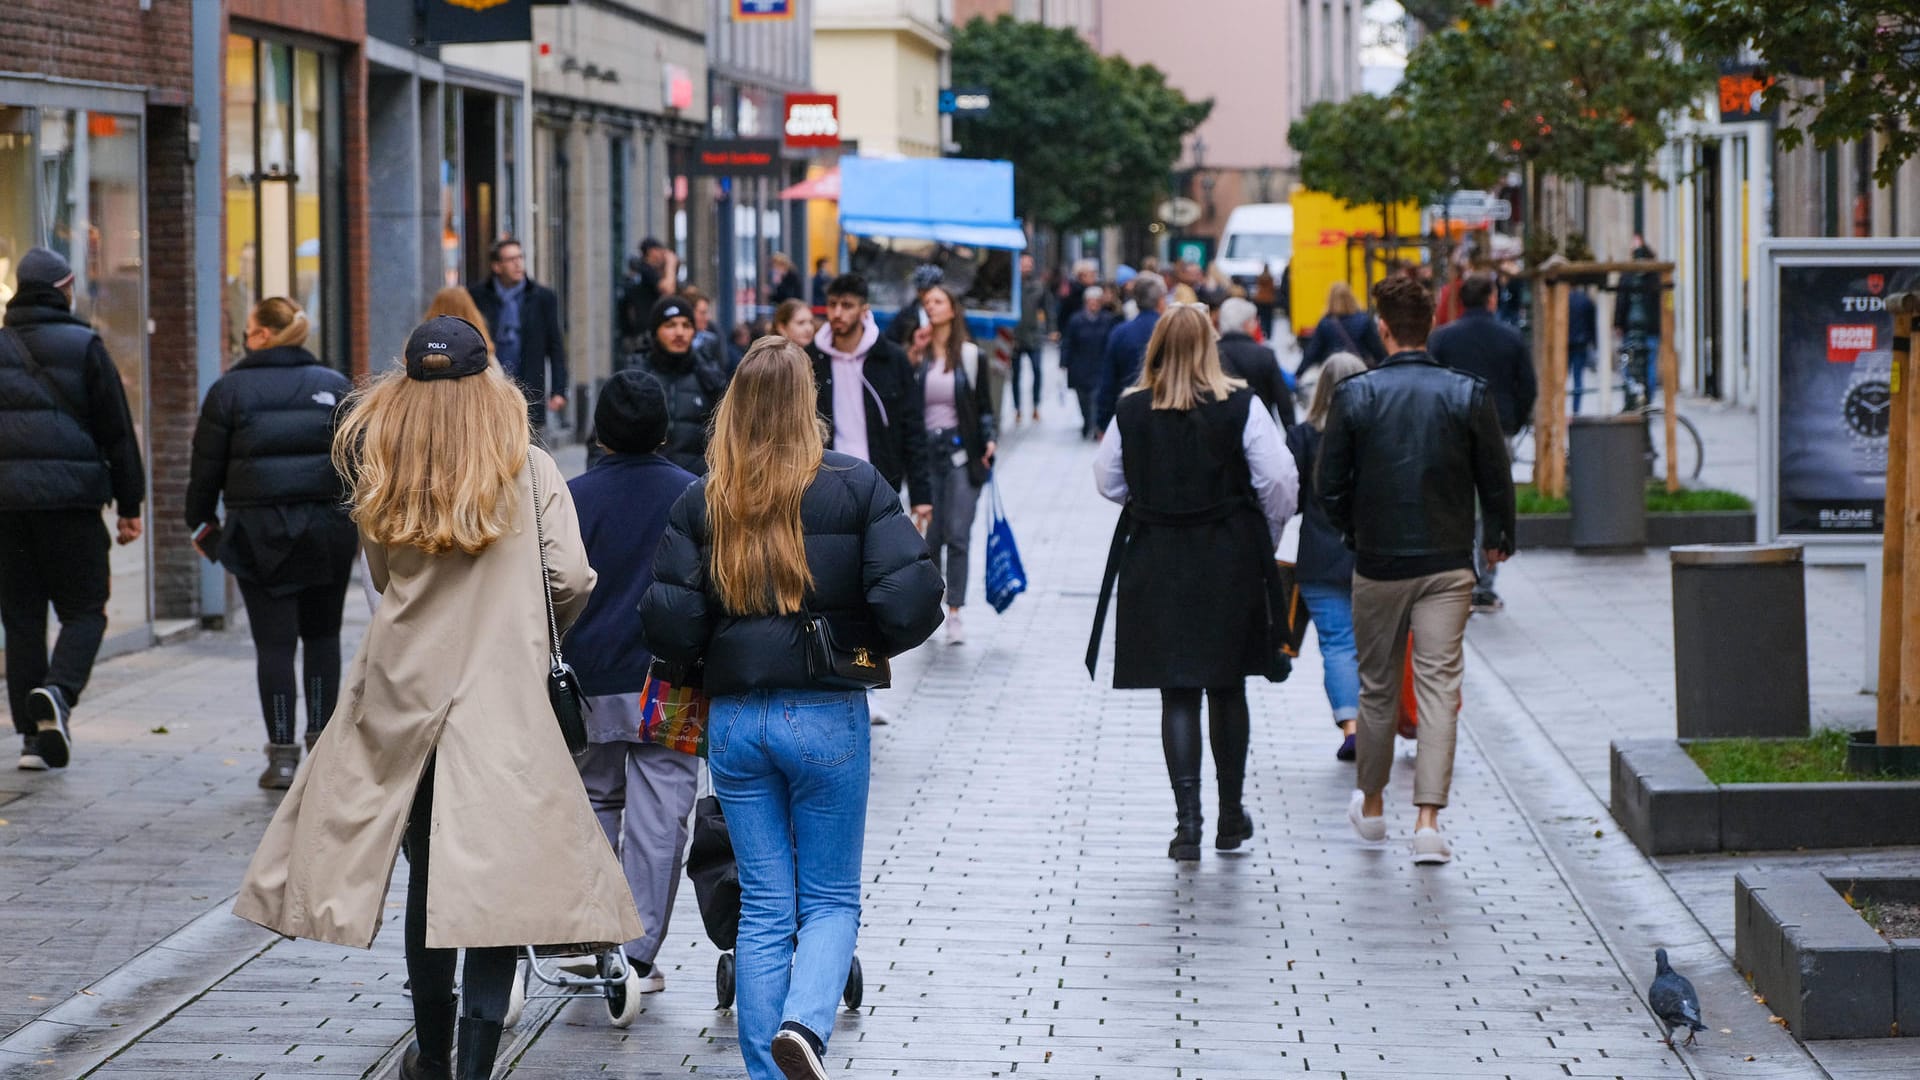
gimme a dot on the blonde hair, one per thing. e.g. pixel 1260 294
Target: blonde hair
pixel 1340 300
pixel 766 449
pixel 283 321
pixel 434 464
pixel 1337 369
pixel 1182 365
pixel 458 302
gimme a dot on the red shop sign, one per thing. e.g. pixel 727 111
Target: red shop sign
pixel 812 120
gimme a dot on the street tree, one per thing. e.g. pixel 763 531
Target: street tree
pixel 1843 68
pixel 1436 14
pixel 1092 139
pixel 1365 151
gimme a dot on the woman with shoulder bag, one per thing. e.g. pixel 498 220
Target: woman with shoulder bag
pixel 1324 566
pixel 793 573
pixel 265 442
pixel 446 732
pixel 1207 486
pixel 958 407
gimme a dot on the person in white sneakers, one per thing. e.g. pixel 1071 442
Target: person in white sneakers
pixel 1408 446
pixel 957 400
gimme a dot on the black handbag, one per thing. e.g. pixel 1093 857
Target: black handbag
pixel 835 668
pixel 569 701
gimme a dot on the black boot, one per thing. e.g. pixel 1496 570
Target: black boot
pixel 431 1055
pixel 1188 822
pixel 1235 827
pixel 479 1042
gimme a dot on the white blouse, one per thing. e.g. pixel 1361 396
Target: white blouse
pixel 1276 479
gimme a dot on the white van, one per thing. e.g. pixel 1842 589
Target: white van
pixel 1257 235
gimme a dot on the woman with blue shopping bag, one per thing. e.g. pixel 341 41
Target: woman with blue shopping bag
pixel 958 397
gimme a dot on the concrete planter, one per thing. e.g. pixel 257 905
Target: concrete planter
pixel 1817 963
pixel 1549 531
pixel 1667 806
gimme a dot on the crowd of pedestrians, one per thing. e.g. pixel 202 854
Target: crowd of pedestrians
pixel 766 526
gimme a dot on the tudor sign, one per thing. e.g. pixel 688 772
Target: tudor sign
pixel 813 120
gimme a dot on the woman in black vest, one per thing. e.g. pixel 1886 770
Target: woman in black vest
pixel 1207 484
pixel 265 442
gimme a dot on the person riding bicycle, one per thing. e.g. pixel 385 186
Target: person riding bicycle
pixel 1636 321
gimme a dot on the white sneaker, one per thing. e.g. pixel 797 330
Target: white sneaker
pixel 1430 848
pixel 795 1057
pixel 1371 829
pixel 30 759
pixel 956 630
pixel 651 980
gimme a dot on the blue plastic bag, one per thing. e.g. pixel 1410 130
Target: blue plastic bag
pixel 1006 578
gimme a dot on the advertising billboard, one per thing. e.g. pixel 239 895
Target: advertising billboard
pixel 1828 366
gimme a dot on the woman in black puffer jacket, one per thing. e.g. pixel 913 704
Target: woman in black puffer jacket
pixel 265 442
pixel 777 534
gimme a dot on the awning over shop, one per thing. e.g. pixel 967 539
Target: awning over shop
pixel 825 186
pixel 951 200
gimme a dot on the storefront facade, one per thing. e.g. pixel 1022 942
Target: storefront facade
pixel 98 171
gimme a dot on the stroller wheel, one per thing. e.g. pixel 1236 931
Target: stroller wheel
pixel 517 996
pixel 623 998
pixel 856 986
pixel 723 981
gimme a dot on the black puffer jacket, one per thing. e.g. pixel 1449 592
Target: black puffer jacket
pixel 49 458
pixel 873 582
pixel 694 388
pixel 1407 447
pixel 265 441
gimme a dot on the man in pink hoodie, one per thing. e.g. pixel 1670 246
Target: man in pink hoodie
pixel 868 391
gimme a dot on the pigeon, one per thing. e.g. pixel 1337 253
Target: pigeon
pixel 1673 1000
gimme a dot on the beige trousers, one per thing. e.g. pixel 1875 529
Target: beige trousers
pixel 1435 609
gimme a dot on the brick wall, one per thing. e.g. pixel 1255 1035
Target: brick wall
pixel 111 42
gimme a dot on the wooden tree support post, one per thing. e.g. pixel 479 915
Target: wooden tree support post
pixel 1905 306
pixel 1669 381
pixel 1554 393
pixel 1893 538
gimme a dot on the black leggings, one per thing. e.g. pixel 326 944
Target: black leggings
pixel 280 624
pixel 1227 730
pixel 489 972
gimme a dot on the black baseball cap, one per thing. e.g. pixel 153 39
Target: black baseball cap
pixel 446 347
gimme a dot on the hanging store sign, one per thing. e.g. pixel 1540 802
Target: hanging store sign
pixel 812 121
pixel 761 10
pixel 456 21
pixel 736 157
pixel 964 102
pixel 1742 87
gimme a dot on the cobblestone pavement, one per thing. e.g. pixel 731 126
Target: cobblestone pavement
pixel 1021 916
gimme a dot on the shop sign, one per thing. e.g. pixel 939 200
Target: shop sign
pixel 676 87
pixel 1742 86
pixel 736 157
pixel 761 10
pixel 813 120
pixel 454 21
pixel 1834 380
pixel 967 102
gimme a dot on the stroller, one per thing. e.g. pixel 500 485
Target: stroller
pixel 716 888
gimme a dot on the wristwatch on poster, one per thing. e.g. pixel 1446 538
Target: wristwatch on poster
pixel 1867 410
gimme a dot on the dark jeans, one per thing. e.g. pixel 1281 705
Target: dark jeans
pixel 1030 357
pixel 56 557
pixel 1087 428
pixel 488 981
pixel 280 624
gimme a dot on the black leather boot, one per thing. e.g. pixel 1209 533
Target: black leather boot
pixel 479 1042
pixel 430 1057
pixel 1188 822
pixel 1235 827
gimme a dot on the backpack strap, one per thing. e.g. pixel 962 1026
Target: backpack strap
pixel 11 345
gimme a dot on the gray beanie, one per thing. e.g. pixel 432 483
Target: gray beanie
pixel 41 266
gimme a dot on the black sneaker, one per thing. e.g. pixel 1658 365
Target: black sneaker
pixel 796 1052
pixel 1487 603
pixel 47 708
pixel 30 759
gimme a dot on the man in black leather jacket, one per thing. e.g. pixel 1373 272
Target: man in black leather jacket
pixel 1407 448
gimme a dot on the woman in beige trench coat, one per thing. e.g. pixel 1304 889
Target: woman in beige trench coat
pixel 443 731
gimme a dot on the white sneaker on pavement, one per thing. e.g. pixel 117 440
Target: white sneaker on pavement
pixel 651 980
pixel 1430 848
pixel 1371 829
pixel 956 630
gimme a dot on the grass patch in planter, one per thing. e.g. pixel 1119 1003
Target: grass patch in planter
pixel 1819 758
pixel 1528 501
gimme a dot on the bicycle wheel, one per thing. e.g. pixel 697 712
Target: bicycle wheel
pixel 1688 450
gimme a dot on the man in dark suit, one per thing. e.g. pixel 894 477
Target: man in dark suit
pixel 1480 344
pixel 524 318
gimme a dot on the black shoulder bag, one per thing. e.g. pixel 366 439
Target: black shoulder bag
pixel 832 667
pixel 563 687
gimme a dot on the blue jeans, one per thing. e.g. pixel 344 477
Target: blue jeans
pixel 1331 609
pixel 790 768
pixel 1579 362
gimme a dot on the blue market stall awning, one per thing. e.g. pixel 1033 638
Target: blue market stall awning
pixel 950 200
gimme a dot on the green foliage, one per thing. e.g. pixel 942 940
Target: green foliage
pixel 1091 138
pixel 1844 67
pixel 1529 501
pixel 1367 151
pixel 1820 758
pixel 1436 14
pixel 1580 89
